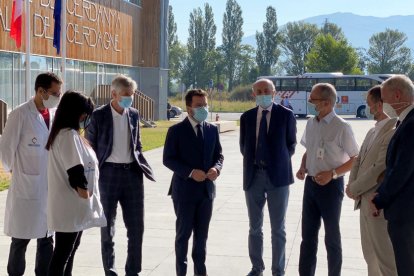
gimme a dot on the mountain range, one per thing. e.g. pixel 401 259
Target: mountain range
pixel 358 29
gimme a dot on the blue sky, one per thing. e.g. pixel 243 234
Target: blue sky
pixel 287 10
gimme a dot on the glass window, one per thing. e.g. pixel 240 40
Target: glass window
pixel 74 75
pixel 110 72
pixel 19 78
pixel 345 84
pixel 306 84
pixel 288 85
pixel 37 65
pixel 363 84
pixel 327 80
pixel 90 77
pixel 6 76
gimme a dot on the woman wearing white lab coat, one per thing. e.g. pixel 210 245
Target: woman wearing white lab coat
pixel 23 153
pixel 73 197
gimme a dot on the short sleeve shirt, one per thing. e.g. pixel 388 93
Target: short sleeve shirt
pixel 329 143
pixel 66 210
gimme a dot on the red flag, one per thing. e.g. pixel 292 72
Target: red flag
pixel 16 22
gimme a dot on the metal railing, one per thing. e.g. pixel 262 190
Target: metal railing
pixel 102 95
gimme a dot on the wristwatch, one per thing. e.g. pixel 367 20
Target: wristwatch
pixel 334 174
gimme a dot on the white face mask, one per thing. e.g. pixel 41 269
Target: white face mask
pixel 51 102
pixel 389 110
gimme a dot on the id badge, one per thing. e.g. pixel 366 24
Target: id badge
pixel 320 153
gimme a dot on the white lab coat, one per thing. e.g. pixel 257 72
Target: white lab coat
pixel 22 148
pixel 67 211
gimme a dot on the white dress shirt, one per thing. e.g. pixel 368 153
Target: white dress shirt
pixel 405 112
pixel 334 136
pixel 121 150
pixel 194 124
pixel 259 118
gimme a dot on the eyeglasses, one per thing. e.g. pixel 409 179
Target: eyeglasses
pixel 55 94
pixel 313 100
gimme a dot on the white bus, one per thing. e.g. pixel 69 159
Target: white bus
pixel 351 89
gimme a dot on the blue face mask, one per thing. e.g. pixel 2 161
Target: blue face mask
pixel 125 102
pixel 312 109
pixel 264 100
pixel 200 113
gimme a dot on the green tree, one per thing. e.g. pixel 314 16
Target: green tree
pixel 297 39
pixel 334 30
pixel 330 55
pixel 177 60
pixel 267 52
pixel 232 35
pixel 172 28
pixel 245 62
pixel 175 55
pixel 200 64
pixel 387 53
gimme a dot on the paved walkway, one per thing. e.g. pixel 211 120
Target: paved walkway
pixel 227 244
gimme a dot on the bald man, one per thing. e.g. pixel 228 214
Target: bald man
pixel 396 191
pixel 267 143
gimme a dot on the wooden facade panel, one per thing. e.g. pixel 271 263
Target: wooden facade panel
pixel 106 31
pixel 151 33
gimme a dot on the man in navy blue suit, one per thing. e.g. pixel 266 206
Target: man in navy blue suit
pixel 396 192
pixel 267 143
pixel 114 134
pixel 193 152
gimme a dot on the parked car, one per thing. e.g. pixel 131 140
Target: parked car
pixel 175 111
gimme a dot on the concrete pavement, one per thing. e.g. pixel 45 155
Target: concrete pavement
pixel 227 244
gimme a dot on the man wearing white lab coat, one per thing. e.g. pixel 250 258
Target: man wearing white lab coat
pixel 23 153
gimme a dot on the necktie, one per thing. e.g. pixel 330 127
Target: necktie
pixel 397 124
pixel 199 134
pixel 262 147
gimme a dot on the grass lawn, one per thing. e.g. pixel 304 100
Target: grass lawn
pixel 4 179
pixel 152 138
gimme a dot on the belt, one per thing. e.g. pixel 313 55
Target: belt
pixel 314 180
pixel 125 166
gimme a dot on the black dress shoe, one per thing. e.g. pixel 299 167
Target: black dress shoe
pixel 254 272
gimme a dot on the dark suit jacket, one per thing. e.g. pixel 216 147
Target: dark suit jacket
pixel 396 192
pixel 182 154
pixel 100 135
pixel 281 140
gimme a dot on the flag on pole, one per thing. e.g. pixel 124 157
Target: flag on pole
pixel 57 16
pixel 16 22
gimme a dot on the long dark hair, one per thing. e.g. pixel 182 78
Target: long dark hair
pixel 72 105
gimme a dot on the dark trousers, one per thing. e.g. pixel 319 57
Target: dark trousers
pixel 64 253
pixel 17 256
pixel 123 185
pixel 402 239
pixel 321 202
pixel 193 217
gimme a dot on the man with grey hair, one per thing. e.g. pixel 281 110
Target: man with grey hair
pixel 396 192
pixel 330 150
pixel 267 143
pixel 114 134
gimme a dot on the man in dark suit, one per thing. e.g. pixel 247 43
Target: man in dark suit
pixel 193 152
pixel 396 192
pixel 267 143
pixel 114 135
